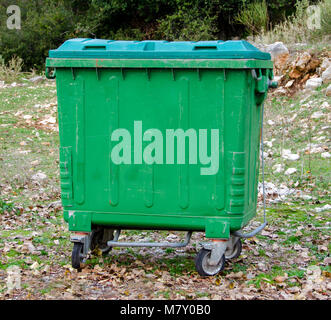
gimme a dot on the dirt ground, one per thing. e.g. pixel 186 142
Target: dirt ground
pixel 290 259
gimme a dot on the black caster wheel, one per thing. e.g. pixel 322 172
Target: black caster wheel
pixel 76 256
pixel 204 268
pixel 236 252
pixel 99 239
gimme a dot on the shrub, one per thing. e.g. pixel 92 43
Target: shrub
pixel 12 71
pixel 191 24
pixel 294 29
pixel 44 25
pixel 325 31
pixel 254 16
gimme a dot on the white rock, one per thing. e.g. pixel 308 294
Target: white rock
pixel 314 149
pixel 328 91
pixel 30 247
pixel 278 78
pixel 37 79
pixel 326 63
pixel 276 49
pixel 278 168
pixel 50 119
pixel 317 115
pixel 287 154
pixel 325 105
pixel 293 157
pixel 289 171
pixel 320 138
pixel 289 84
pixel 270 122
pixel 24 151
pixel 280 90
pixel 35 265
pixel 2 84
pixel 35 162
pixel 326 207
pixel 300 44
pixel 314 83
pixel 286 151
pixel 14 84
pixel 266 154
pixel 276 193
pixel 39 176
pixel 293 118
pixel 326 155
pixel 27 117
pixel 268 143
pixel 326 75
pixel 46 269
pixel 304 58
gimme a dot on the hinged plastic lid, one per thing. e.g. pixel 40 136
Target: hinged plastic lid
pixel 111 49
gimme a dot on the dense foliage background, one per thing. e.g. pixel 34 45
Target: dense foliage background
pixel 47 23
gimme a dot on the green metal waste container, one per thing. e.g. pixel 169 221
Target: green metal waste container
pixel 159 135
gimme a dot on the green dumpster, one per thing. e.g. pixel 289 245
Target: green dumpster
pixel 159 135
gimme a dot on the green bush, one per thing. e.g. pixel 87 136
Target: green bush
pixel 254 16
pixel 188 23
pixel 325 31
pixel 294 28
pixel 11 71
pixel 46 24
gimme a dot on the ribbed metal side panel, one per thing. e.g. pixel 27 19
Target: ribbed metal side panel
pixel 114 116
pixel 184 122
pixel 79 172
pixel 219 177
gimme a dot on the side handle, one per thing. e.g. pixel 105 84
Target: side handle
pixel 50 73
pixel 263 84
pixel 272 84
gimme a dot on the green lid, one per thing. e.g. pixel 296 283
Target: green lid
pixel 111 49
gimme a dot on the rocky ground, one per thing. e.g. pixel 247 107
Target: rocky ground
pixel 290 259
pixel 298 68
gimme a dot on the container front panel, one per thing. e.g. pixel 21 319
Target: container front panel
pixel 94 103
